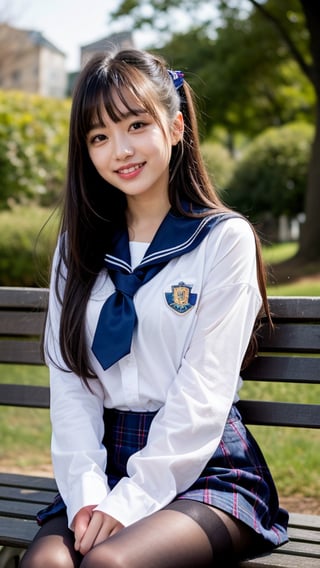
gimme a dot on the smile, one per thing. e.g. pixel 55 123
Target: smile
pixel 130 169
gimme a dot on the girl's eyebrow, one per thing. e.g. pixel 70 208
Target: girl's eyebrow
pixel 134 112
pixel 123 116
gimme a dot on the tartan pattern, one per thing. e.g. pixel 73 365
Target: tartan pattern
pixel 236 479
pixel 125 433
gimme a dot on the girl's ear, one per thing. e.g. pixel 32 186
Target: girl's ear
pixel 177 129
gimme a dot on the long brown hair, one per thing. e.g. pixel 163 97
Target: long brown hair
pixel 92 208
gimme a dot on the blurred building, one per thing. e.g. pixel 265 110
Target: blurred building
pixel 31 63
pixel 121 40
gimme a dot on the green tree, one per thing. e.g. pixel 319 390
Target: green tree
pixel 243 89
pixel 270 175
pixel 294 26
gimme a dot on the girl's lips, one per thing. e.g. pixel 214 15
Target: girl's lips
pixel 130 170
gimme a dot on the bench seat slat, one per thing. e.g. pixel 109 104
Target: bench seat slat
pixel 24 396
pixel 304 534
pixel 305 521
pixel 28 481
pixel 301 548
pixel 268 413
pixel 279 560
pixel 17 532
pixel 29 496
pixel 19 509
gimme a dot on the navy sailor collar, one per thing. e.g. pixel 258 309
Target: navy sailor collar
pixel 176 236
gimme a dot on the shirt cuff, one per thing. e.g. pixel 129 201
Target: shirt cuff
pixel 91 489
pixel 128 502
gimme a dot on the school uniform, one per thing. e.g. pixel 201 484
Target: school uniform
pixel 162 419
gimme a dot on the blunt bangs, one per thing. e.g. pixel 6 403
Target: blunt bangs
pixel 112 84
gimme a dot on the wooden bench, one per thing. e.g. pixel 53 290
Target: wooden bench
pixel 290 355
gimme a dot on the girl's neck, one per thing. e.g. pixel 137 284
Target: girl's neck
pixel 144 219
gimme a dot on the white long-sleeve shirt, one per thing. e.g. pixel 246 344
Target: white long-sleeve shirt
pixel 185 364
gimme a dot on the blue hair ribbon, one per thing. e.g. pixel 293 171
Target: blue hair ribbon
pixel 177 78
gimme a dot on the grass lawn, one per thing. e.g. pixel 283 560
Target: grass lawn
pixel 279 252
pixel 305 285
pixel 292 453
pixel 24 432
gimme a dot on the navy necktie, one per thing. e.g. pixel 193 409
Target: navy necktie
pixel 177 235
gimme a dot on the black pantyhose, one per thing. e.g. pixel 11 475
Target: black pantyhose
pixel 186 534
pixel 53 547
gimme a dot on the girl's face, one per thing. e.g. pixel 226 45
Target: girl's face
pixel 133 154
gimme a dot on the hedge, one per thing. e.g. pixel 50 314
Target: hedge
pixel 271 174
pixel 219 162
pixel 33 147
pixel 27 239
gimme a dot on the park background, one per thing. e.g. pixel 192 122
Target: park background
pixel 255 67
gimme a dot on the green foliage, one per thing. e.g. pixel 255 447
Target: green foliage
pixel 271 174
pixel 26 245
pixel 241 66
pixel 33 148
pixel 219 162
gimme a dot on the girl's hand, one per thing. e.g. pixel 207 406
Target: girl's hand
pixel 100 527
pixel 80 524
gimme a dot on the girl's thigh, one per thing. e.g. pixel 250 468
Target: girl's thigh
pixel 53 547
pixel 190 535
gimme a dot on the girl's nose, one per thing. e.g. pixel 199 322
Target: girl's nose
pixel 123 149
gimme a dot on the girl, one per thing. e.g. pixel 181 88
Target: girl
pixel 156 293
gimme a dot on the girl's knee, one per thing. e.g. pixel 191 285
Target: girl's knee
pixel 41 557
pixel 104 556
pixel 53 547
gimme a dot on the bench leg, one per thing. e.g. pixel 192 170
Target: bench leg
pixel 9 557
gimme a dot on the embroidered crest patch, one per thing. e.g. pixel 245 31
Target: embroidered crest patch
pixel 181 299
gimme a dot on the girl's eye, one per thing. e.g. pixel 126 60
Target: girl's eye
pixel 97 138
pixel 137 125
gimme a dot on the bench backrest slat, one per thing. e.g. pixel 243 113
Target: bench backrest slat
pixel 24 395
pixel 289 355
pixel 21 323
pixel 280 413
pixel 23 298
pixel 299 308
pixel 292 337
pixel 21 352
pixel 283 369
pixel 22 316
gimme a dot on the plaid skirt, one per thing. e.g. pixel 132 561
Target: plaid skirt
pixel 236 479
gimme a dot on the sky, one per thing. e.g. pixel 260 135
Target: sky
pixel 68 24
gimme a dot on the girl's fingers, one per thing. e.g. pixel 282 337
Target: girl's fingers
pixel 81 522
pixel 100 528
